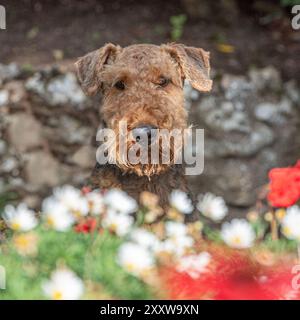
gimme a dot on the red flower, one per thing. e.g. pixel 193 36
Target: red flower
pixel 86 190
pixel 284 186
pixel 88 225
pixel 233 277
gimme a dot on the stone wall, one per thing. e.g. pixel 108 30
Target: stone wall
pixel 47 130
pixel 251 124
pixel 48 127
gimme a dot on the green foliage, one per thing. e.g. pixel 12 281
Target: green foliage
pixel 102 267
pixel 68 248
pixel 91 256
pixel 177 26
pixel 286 3
pixel 212 235
pixel 22 279
pixel 260 227
pixel 6 198
pixel 281 245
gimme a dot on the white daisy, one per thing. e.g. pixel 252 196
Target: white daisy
pixel 212 207
pixel 72 199
pixel 194 265
pixel 180 201
pixel 144 238
pixel 95 202
pixel 291 223
pixel 177 240
pixel 238 233
pixel 117 222
pixel 175 229
pixel 64 284
pixel 135 259
pixel 120 201
pixel 20 218
pixel 57 215
pixel 176 246
pixel 183 242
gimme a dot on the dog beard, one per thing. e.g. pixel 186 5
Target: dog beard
pixel 143 159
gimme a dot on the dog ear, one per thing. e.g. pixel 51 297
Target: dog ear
pixel 89 67
pixel 194 64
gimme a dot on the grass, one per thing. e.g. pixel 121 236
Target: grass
pixel 91 256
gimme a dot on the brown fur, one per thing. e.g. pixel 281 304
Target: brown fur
pixel 143 102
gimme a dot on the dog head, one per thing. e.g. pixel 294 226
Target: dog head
pixel 142 86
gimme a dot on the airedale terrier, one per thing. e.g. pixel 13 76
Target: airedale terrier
pixel 143 85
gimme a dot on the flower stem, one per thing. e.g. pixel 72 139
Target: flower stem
pixel 274 227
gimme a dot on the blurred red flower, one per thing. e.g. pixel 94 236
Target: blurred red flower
pixel 234 277
pixel 86 226
pixel 86 190
pixel 284 186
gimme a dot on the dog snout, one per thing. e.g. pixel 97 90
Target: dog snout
pixel 144 134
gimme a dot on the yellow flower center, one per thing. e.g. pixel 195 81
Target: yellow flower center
pixel 236 240
pixel 57 295
pixel 280 213
pixel 130 267
pixel 287 231
pixel 113 227
pixel 50 221
pixel 76 213
pixel 15 226
pixel 22 241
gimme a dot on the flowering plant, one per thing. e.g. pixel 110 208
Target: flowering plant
pixel 104 244
pixel 284 186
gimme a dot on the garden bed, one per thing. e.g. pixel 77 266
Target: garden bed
pixel 102 245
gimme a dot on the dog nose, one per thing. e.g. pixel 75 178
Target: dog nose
pixel 144 134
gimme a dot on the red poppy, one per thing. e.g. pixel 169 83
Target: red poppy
pixel 284 186
pixel 86 190
pixel 236 277
pixel 86 226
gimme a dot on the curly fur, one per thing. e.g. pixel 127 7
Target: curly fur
pixel 143 102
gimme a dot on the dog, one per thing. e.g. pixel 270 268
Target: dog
pixel 142 84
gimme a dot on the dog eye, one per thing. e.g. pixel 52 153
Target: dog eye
pixel 163 82
pixel 120 85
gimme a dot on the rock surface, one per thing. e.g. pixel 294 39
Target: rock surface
pixel 48 128
pixel 43 170
pixel 251 124
pixel 84 157
pixel 9 72
pixel 24 132
pixel 57 89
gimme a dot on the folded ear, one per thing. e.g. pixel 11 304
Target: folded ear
pixel 90 66
pixel 194 64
